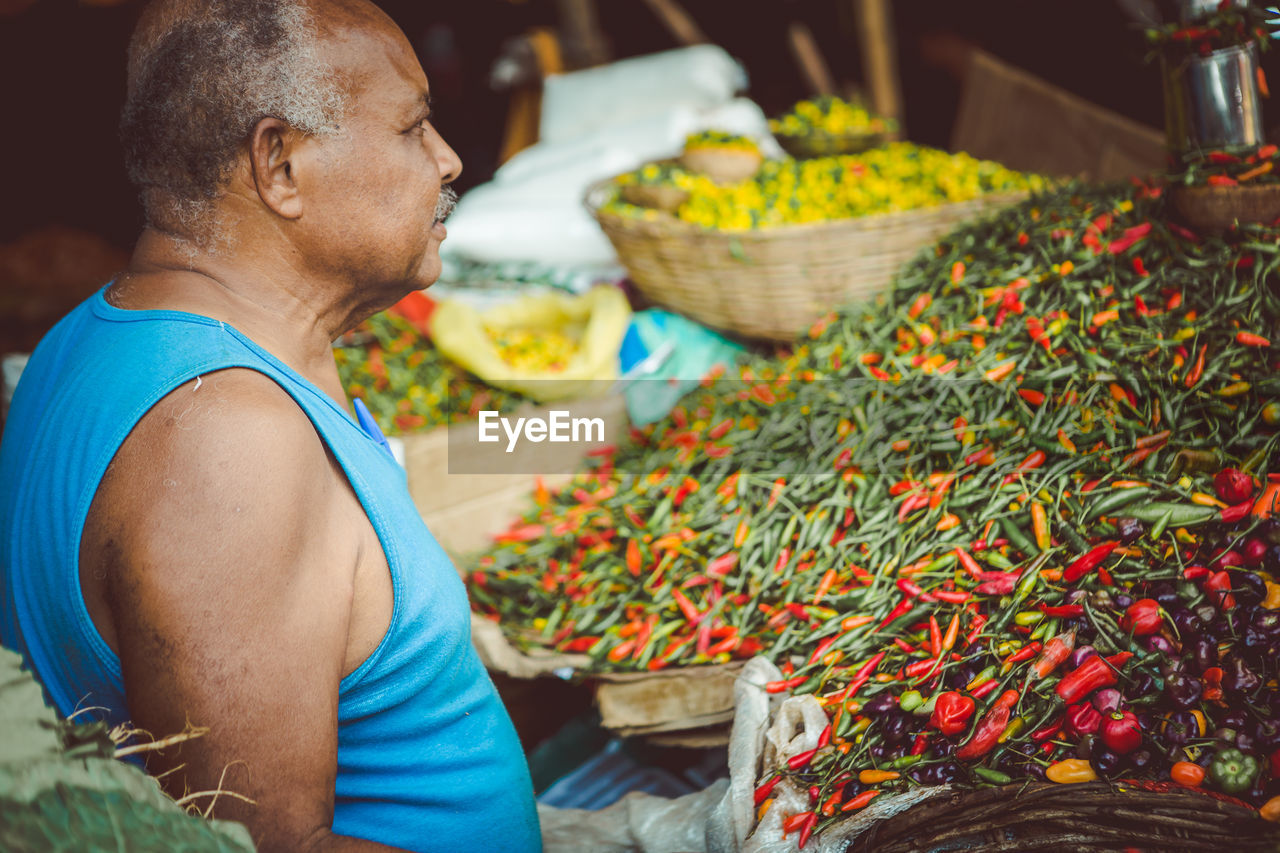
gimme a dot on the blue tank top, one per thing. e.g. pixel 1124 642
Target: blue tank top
pixel 427 756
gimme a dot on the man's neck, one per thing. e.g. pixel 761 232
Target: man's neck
pixel 293 313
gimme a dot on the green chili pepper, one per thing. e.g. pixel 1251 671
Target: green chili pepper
pixel 1232 771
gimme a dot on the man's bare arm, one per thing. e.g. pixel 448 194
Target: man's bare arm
pixel 226 536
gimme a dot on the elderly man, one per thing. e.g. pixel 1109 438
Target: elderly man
pixel 194 528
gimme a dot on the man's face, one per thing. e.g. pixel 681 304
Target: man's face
pixel 373 205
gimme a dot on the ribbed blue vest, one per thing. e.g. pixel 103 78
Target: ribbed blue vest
pixel 427 756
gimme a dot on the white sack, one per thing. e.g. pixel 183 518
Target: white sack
pixel 644 86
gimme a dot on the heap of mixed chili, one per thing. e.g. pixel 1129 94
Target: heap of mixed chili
pixel 1013 521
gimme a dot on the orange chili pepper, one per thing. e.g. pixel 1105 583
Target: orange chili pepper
pixel 875 777
pixel 1193 375
pixel 1040 525
pixel 1249 339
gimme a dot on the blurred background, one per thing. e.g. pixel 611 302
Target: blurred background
pixel 69 215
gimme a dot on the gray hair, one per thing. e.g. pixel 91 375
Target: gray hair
pixel 201 76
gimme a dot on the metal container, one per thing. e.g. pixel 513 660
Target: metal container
pixel 1211 102
pixel 1189 11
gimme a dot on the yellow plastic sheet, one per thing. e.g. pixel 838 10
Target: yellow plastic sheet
pixel 594 323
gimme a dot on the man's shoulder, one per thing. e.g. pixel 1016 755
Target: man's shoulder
pixel 237 413
pixel 231 435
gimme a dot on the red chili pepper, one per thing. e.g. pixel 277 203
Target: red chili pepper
pixel 989 727
pixel 1238 512
pixel 919 668
pixel 1193 573
pixel 950 596
pixel 1121 732
pixel 862 676
pixel 903 606
pixel 785 684
pixel 859 801
pixel 1032 396
pixel 633 557
pixel 581 644
pixel 778 485
pixel 1048 731
pixel 1131 236
pixel 1082 719
pixel 984 688
pixel 1218 585
pixel 970 565
pixel 1143 617
pixel 830 804
pixel 1095 672
pixel 718 431
pixel 763 792
pixel 796 821
pixel 1087 562
pixel 1062 611
pixel 1000 583
pixel 935 635
pixel 1027 652
pixel 722 565
pixel 975 628
pixel 1233 485
pixel 800 759
pixel 951 712
pixel 1034 460
pixel 1193 375
pixel 821 649
pixel 1249 340
pixel 686 607
pixel 824 737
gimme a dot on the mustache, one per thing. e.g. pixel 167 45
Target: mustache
pixel 445 202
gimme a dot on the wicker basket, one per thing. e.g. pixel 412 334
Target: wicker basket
pixel 773 282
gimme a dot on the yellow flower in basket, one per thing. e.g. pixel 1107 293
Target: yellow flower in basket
pixel 548 347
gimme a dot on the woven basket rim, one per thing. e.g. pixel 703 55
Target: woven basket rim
pixel 671 226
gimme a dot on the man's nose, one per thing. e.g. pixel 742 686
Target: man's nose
pixel 448 162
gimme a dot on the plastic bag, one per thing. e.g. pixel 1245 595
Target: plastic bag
pixel 767 730
pixel 694 351
pixel 592 324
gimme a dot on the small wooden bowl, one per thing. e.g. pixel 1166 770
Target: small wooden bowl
pixel 664 197
pixel 1219 208
pixel 723 165
pixel 816 144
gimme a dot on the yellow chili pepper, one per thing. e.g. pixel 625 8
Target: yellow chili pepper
pixel 875 777
pixel 1272 601
pixel 1204 499
pixel 1235 389
pixel 1070 770
pixel 1015 727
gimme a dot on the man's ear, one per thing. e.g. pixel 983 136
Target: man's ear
pixel 271 149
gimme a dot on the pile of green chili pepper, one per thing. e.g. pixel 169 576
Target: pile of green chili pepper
pixel 390 363
pixel 929 507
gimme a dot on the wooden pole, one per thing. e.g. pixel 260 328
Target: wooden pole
pixel 678 22
pixel 585 45
pixel 879 57
pixel 812 65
